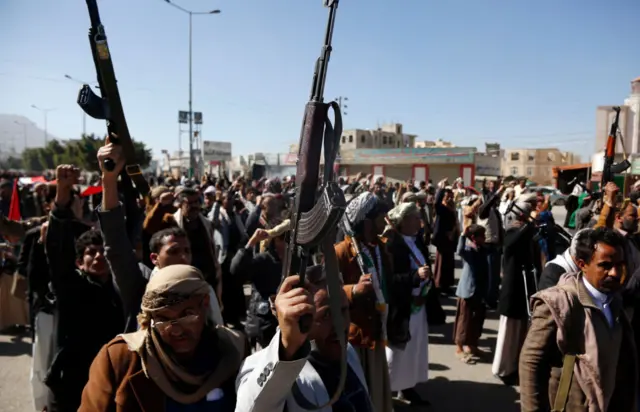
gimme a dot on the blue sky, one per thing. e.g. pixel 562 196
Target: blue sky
pixel 520 72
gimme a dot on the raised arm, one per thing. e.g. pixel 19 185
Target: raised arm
pixel 485 209
pixel 62 234
pixel 462 251
pixel 119 252
pixel 608 213
pixel 242 264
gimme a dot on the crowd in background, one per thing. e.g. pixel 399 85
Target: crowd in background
pixel 180 305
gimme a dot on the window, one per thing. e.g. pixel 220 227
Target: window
pixel 384 139
pixel 529 171
pixel 398 144
pixel 551 157
pixel 362 139
pixel 344 139
pixel 531 157
pixel 515 156
pixel 350 139
pixel 514 171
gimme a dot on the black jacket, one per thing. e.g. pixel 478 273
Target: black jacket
pixel 88 314
pixel 264 271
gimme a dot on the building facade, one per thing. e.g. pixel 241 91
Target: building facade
pixel 388 136
pixel 535 164
pixel 433 143
pixel 420 164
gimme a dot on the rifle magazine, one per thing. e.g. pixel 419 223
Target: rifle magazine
pixel 325 215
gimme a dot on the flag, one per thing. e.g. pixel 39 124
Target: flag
pixel 14 207
pixel 91 190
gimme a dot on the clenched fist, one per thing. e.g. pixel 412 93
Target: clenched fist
pixel 67 176
pixel 113 152
pixel 292 302
pixel 425 272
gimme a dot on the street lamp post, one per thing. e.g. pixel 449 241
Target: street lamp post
pixel 84 115
pixel 191 14
pixel 45 112
pixel 24 131
pixel 344 107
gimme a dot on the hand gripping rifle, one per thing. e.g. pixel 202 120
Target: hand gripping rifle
pixel 315 219
pixel 109 108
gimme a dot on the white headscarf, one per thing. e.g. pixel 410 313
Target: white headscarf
pixel 398 213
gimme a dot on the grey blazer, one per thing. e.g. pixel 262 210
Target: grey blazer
pixel 264 382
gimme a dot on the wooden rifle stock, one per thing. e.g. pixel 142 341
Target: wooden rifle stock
pixel 314 220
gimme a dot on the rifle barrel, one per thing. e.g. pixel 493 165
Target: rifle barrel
pixel 320 75
pixel 94 13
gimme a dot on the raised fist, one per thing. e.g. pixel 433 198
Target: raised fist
pixel 67 176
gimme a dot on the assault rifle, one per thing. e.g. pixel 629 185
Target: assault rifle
pixel 610 169
pixel 109 108
pixel 314 219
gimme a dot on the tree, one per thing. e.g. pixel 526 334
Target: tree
pixel 82 153
pixel 143 155
pixel 11 163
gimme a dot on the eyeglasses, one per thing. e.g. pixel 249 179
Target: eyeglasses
pixel 184 321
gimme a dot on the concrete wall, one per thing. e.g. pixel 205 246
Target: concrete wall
pixel 404 172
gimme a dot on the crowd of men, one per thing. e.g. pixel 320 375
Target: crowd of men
pixel 147 310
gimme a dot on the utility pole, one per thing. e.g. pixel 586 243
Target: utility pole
pixel 45 112
pixel 343 108
pixel 191 14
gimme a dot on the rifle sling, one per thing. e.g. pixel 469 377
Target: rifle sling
pixel 334 288
pixel 334 281
pixel 135 174
pixel 562 395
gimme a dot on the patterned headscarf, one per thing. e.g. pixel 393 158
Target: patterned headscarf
pixel 516 212
pixel 170 286
pixel 357 211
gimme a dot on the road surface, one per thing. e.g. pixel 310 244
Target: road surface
pixel 453 385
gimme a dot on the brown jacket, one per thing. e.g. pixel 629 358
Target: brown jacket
pixel 566 320
pixel 365 329
pixel 117 383
pixel 157 218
